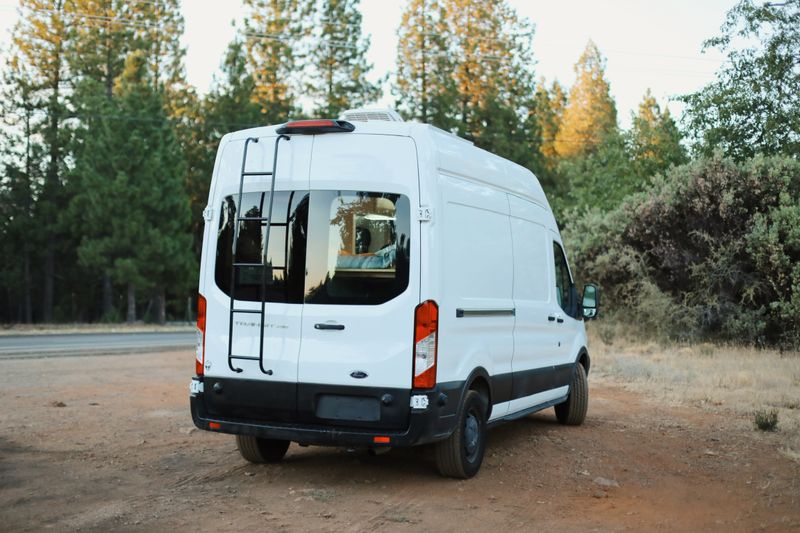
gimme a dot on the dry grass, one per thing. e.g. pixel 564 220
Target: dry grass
pixel 730 379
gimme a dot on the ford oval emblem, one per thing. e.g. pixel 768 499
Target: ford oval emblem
pixel 358 374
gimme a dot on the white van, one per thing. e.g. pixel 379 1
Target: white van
pixel 369 282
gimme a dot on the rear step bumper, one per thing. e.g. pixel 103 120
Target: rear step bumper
pixel 433 423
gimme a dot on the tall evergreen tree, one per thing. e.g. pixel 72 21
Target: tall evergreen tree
pixel 424 83
pixel 227 107
pixel 275 31
pixel 655 139
pixel 549 106
pixel 591 114
pixel 21 178
pixel 338 56
pixel 493 72
pixel 132 202
pixel 38 41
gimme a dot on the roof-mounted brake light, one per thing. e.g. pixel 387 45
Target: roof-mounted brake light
pixel 313 127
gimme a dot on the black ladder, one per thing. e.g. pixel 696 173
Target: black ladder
pixel 263 265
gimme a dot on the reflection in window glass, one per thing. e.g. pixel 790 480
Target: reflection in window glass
pixel 563 281
pixel 285 271
pixel 358 247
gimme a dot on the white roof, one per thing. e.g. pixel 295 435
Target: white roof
pixel 454 155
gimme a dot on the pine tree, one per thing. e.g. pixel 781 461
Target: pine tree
pixel 38 41
pixel 132 202
pixel 655 139
pixel 550 104
pixel 227 107
pixel 493 72
pixel 21 177
pixel 591 114
pixel 338 57
pixel 424 84
pixel 275 31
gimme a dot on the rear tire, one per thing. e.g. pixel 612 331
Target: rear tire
pixel 258 450
pixel 573 411
pixel 461 454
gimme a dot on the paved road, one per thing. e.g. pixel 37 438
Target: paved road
pixel 19 346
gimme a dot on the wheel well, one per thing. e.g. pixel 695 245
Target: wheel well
pixel 481 386
pixel 584 360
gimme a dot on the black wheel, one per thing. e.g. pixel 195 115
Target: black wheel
pixel 461 454
pixel 258 450
pixel 573 411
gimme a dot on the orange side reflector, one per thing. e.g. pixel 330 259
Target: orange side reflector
pixel 214 425
pixel 381 440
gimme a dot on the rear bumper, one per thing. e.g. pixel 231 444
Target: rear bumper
pixel 421 426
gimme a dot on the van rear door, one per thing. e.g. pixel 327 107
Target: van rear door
pixel 250 398
pixel 362 281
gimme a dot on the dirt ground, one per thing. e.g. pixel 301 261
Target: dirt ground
pixel 107 442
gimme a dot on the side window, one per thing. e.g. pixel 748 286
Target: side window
pixel 563 281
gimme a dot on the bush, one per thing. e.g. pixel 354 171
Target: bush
pixel 766 420
pixel 709 251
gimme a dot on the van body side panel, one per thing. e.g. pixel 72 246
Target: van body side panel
pixel 372 345
pixel 540 370
pixel 476 311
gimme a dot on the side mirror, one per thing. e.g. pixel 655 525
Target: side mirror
pixel 591 301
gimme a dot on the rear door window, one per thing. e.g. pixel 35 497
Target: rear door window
pixel 285 271
pixel 358 247
pixel 325 247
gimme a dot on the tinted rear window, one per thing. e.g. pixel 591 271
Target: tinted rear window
pixel 326 247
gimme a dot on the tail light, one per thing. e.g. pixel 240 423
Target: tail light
pixel 201 335
pixel 426 326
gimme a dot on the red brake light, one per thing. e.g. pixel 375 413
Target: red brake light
pixel 426 333
pixel 201 335
pixel 311 127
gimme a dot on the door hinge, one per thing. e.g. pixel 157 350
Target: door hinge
pixel 208 213
pixel 425 214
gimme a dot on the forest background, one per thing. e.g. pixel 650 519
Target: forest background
pixel 692 225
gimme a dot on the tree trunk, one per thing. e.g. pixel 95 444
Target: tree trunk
pixel 161 307
pixel 131 317
pixel 108 297
pixel 49 282
pixel 27 304
pixel 189 309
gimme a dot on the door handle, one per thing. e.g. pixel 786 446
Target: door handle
pixel 551 318
pixel 556 318
pixel 329 326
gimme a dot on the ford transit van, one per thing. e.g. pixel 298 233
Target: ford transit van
pixel 369 282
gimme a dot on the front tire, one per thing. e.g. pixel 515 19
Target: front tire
pixel 258 450
pixel 461 454
pixel 573 411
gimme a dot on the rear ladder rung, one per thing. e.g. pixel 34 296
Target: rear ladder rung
pixel 268 173
pixel 245 357
pixel 251 311
pixel 253 219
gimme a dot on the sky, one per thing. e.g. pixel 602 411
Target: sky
pixel 647 43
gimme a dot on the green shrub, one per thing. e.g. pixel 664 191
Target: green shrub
pixel 766 420
pixel 709 251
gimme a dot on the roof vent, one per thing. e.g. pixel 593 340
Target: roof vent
pixel 371 115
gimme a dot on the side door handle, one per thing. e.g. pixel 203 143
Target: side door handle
pixel 556 318
pixel 338 327
pixel 551 318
